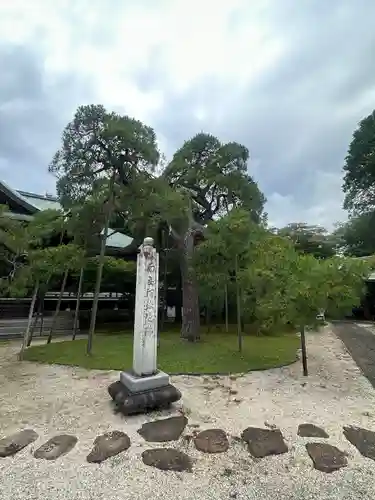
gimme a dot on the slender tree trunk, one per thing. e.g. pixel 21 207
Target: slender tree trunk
pixel 238 300
pixel 164 310
pixel 78 303
pixel 38 314
pixel 58 305
pixel 29 321
pixel 95 302
pixel 178 301
pixel 190 329
pixel 304 353
pixel 42 318
pixel 226 309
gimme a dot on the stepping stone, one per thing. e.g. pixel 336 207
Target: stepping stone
pixel 160 431
pixel 16 442
pixel 108 445
pixel 212 441
pixel 56 447
pixel 167 459
pixel 326 458
pixel 362 439
pixel 311 430
pixel 264 442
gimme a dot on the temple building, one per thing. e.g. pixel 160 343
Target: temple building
pixel 23 206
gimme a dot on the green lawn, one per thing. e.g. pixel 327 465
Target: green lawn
pixel 215 353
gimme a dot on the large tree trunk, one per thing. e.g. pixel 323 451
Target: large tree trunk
pixel 30 319
pixel 190 329
pixel 58 305
pixel 78 303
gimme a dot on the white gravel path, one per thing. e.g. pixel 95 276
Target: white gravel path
pixel 56 399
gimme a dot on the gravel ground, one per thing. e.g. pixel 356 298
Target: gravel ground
pixel 55 399
pixel 359 339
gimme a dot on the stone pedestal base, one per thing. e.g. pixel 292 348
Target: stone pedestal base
pixel 140 384
pixel 129 402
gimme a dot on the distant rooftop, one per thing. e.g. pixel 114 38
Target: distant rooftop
pixel 41 202
pixel 34 202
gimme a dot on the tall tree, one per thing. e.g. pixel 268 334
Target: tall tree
pixel 356 236
pixel 221 259
pixel 214 178
pixel 309 239
pixel 359 168
pixel 101 155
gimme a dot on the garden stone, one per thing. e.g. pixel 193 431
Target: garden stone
pixel 362 439
pixel 212 441
pixel 167 459
pixel 108 445
pixel 264 442
pixel 311 430
pixel 56 447
pixel 326 458
pixel 160 431
pixel 16 442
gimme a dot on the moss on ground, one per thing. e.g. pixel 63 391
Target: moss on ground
pixel 216 352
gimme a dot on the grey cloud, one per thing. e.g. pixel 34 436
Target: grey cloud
pixel 293 118
pixel 296 119
pixel 32 117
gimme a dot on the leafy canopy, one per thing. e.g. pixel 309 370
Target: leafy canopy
pixel 97 144
pixel 309 239
pixel 359 168
pixel 215 176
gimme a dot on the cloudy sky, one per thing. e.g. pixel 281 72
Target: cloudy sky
pixel 290 79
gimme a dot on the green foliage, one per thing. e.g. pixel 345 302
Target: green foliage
pixel 47 224
pixel 307 239
pixel 227 239
pixel 97 144
pixel 280 286
pixel 117 276
pixel 215 175
pixel 291 288
pixel 343 283
pixel 359 168
pixel 44 264
pixel 357 235
pixel 14 241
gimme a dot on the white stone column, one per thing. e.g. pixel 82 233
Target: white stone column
pixel 146 310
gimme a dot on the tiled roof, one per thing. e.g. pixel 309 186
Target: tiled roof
pixel 49 202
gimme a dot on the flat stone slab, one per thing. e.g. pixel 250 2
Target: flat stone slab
pixel 167 459
pixel 56 447
pixel 212 441
pixel 130 403
pixel 325 457
pixel 362 439
pixel 16 442
pixel 161 431
pixel 311 430
pixel 264 442
pixel 108 445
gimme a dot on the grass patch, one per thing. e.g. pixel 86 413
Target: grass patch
pixel 216 352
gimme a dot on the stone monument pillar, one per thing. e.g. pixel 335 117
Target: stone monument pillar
pixel 145 387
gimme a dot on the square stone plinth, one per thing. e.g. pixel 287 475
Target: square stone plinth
pixel 136 384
